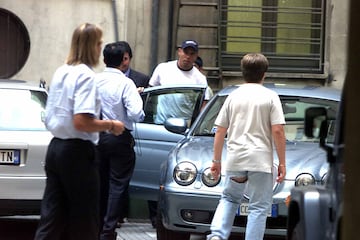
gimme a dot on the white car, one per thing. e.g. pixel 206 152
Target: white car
pixel 23 144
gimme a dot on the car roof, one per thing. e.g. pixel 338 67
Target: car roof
pixel 294 90
pixel 174 86
pixel 19 84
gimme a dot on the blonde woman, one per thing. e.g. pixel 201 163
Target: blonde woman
pixel 69 207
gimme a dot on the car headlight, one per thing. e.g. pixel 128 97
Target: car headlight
pixel 185 173
pixel 304 179
pixel 208 178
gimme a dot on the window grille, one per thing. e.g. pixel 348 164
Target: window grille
pixel 290 33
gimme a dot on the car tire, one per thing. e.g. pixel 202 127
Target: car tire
pixel 163 233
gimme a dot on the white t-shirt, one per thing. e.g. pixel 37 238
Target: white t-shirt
pixel 248 113
pixel 176 105
pixel 168 73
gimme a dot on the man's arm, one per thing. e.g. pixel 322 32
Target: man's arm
pixel 155 77
pixel 87 123
pixel 140 79
pixel 278 134
pixel 218 147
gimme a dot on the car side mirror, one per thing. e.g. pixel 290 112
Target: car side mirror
pixel 316 123
pixel 176 125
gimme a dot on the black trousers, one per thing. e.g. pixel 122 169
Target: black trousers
pixel 117 162
pixel 69 208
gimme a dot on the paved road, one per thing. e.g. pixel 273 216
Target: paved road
pixel 18 228
pixel 137 229
pixel 142 230
pixel 23 228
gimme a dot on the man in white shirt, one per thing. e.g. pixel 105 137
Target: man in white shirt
pixel 181 71
pixel 120 100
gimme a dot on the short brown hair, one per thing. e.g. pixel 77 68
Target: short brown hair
pixel 254 66
pixel 84 43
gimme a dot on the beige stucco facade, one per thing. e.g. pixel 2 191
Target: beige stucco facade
pixel 50 24
pixel 337 39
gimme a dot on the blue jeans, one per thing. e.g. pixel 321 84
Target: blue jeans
pixel 258 187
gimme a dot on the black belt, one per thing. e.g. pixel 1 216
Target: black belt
pixel 126 130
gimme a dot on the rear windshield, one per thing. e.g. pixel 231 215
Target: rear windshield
pixel 22 110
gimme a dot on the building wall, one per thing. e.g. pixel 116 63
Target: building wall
pixel 337 37
pixel 335 46
pixel 50 24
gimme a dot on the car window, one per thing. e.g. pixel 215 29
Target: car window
pixel 177 103
pixel 294 111
pixel 207 126
pixel 22 110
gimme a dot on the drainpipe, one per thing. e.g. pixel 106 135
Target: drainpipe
pixel 155 34
pixel 170 32
pixel 115 18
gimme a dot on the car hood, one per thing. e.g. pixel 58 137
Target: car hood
pixel 301 157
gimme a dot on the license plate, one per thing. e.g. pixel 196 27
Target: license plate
pixel 243 210
pixel 9 157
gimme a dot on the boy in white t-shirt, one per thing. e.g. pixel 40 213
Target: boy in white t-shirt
pixel 252 119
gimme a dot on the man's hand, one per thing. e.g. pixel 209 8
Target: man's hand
pixel 118 127
pixel 281 173
pixel 216 170
pixel 140 89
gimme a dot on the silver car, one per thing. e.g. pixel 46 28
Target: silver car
pixel 316 212
pixel 188 193
pixel 23 143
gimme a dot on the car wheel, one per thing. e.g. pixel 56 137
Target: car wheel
pixel 163 233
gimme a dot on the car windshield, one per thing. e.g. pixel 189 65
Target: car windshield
pixel 22 110
pixel 164 104
pixel 294 110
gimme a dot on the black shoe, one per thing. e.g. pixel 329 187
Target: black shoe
pixel 153 222
pixel 121 221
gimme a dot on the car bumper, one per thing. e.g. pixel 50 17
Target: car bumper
pixel 194 212
pixel 22 187
pixel 21 195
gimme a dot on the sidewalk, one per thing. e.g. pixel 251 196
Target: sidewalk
pixel 136 229
pixel 141 229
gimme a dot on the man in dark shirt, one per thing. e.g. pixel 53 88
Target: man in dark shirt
pixel 141 80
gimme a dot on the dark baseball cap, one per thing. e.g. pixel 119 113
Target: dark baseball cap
pixel 190 43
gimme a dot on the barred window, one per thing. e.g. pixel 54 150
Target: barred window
pixel 289 32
